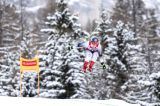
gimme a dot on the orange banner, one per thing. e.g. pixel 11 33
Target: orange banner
pixel 29 65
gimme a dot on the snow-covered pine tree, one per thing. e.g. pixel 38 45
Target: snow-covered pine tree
pixel 148 55
pixel 7 75
pixel 99 85
pixel 118 56
pixel 119 59
pixel 147 81
pixel 9 24
pixel 130 11
pixel 1 10
pixel 60 79
pixel 75 83
pixel 10 78
pixel 132 89
pixel 105 27
pixel 51 86
pixel 149 95
pixel 153 87
pixel 9 56
pixel 29 81
pixel 9 82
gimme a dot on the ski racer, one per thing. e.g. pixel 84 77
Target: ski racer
pixel 92 52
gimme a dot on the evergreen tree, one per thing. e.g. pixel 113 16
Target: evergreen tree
pixel 122 11
pixel 119 59
pixel 9 24
pixel 105 28
pixel 153 88
pixel 118 55
pixel 9 80
pixel 59 78
pixel 101 78
pixel 11 72
pixel 145 61
pixel 29 80
pixel 9 54
pixel 1 10
pixel 135 12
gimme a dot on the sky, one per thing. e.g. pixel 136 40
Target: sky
pixel 89 9
pixel 154 4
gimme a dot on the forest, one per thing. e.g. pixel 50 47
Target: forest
pixel 128 68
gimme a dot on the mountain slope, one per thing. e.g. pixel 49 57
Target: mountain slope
pixel 18 101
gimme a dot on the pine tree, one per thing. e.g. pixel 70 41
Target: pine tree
pixel 9 54
pixel 9 24
pixel 117 58
pixel 134 12
pixel 56 78
pixel 9 80
pixel 153 86
pixel 11 72
pixel 1 10
pixel 104 28
pixel 29 80
pixel 144 26
pixel 122 11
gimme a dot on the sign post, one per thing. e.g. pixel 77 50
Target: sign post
pixel 29 65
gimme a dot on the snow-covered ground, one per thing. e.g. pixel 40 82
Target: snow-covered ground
pixel 19 101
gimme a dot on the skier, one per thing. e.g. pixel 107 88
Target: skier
pixel 93 51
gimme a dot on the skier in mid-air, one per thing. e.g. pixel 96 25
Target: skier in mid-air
pixel 92 52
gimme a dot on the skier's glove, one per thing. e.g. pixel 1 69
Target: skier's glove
pixel 103 65
pixel 70 47
pixel 80 44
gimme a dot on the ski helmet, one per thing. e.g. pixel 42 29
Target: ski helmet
pixel 94 39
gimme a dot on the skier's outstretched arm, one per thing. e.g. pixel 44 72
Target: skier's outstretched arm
pixel 83 44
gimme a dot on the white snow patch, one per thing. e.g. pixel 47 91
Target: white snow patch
pixel 35 8
pixel 19 101
pixel 71 2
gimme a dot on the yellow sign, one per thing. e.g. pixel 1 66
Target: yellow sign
pixel 29 65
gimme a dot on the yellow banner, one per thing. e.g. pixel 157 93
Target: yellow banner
pixel 29 65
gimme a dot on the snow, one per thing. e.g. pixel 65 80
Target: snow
pixel 19 101
pixel 155 75
pixel 35 8
pixel 72 2
pixel 151 4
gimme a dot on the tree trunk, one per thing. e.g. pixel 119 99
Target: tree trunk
pixel 134 18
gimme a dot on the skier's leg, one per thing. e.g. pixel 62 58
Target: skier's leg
pixel 91 65
pixel 88 57
pixel 93 60
pixel 85 65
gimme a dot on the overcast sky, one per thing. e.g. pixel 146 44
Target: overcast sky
pixel 89 9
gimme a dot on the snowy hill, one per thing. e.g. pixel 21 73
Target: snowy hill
pixel 18 101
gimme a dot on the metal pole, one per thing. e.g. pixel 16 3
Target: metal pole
pixel 38 83
pixel 21 82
